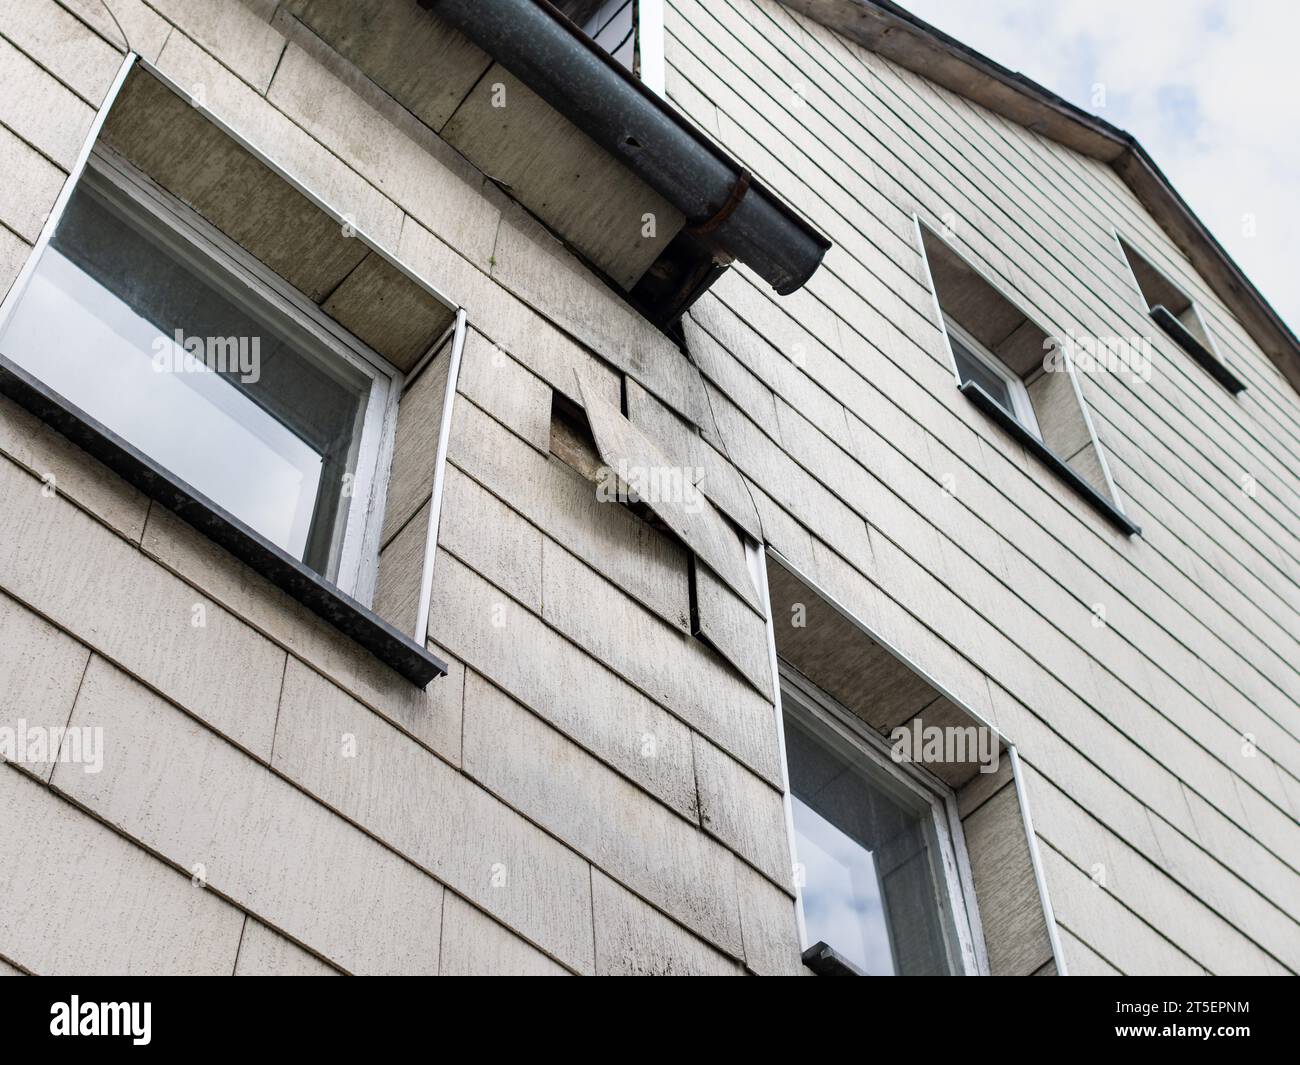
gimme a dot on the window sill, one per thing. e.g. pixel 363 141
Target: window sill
pixel 1204 358
pixel 825 960
pixel 1090 495
pixel 360 624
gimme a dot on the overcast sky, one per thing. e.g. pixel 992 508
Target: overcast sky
pixel 1211 88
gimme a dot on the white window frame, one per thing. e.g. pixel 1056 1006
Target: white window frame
pixel 942 800
pixel 359 554
pixel 1022 406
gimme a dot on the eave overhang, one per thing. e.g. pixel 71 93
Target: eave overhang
pixel 899 36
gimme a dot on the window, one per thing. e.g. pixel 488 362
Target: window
pixel 1021 377
pixel 145 319
pixel 1178 315
pixel 879 882
pixel 976 363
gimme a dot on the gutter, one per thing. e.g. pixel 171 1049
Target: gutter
pixel 726 210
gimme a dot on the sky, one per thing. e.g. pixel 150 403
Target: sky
pixel 1211 89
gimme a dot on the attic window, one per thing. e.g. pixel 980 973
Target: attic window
pixel 1000 358
pixel 1179 316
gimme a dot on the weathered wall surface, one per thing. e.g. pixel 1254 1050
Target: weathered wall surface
pixel 592 789
pixel 1132 731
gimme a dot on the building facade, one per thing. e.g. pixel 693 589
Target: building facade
pixel 693 488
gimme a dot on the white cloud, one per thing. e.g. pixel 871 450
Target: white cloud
pixel 1210 88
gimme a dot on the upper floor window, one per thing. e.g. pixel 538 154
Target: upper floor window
pixel 976 363
pixel 879 870
pixel 153 325
pixel 1171 308
pixel 1021 376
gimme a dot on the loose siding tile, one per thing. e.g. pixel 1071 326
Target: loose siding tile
pixel 263 952
pixel 693 518
pixel 649 566
pixel 121 911
pixel 717 477
pixel 186 794
pixel 443 822
pixel 133 611
pixel 543 273
pixel 475 945
pixel 615 824
pixel 539 667
pixel 635 939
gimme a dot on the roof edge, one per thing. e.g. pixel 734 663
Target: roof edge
pixel 898 35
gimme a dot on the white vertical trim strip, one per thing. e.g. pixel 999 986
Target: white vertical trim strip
pixel 439 476
pixel 758 566
pixel 651 44
pixel 65 193
pixel 1035 859
pixel 939 319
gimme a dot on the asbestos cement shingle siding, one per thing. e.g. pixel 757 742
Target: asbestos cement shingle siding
pixel 591 788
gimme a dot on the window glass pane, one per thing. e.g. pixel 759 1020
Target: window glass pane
pixel 972 368
pixel 873 887
pixel 131 324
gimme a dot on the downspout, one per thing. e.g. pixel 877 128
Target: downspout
pixel 724 207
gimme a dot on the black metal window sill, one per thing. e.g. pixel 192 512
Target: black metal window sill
pixel 1090 495
pixel 1201 355
pixel 825 960
pixel 362 625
